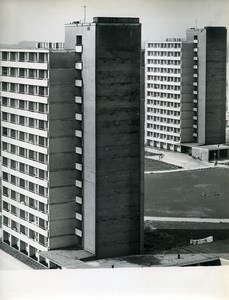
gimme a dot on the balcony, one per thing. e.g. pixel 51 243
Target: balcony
pixel 78 200
pixel 78 66
pixel 78 232
pixel 78 117
pixel 78 99
pixel 78 133
pixel 78 183
pixel 79 48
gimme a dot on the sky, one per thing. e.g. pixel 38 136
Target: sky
pixel 43 20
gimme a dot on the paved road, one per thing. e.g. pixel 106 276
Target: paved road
pixel 8 262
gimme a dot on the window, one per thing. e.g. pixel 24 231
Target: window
pixel 31 89
pixel 21 88
pixel 13 118
pixel 4 101
pixel 31 106
pixel 21 136
pixel 79 40
pixel 31 186
pixel 41 107
pixel 12 56
pixel 13 194
pixel 5 146
pixel 21 72
pixel 13 179
pixel 4 131
pixel 13 102
pixel 41 174
pixel 13 164
pixel 21 56
pixel 31 155
pixel 13 134
pixel 31 73
pixel 41 57
pixel 41 141
pixel 41 190
pixel 4 161
pixel 4 55
pixel 22 152
pixel 4 116
pixel 31 122
pixel 41 74
pixel 21 120
pixel 12 72
pixel 41 157
pixel 22 167
pixel 21 104
pixel 13 149
pixel 5 176
pixel 4 71
pixel 31 171
pixel 5 191
pixel 4 86
pixel 22 183
pixel 41 124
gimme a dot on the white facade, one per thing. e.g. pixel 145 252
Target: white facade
pixel 163 94
pixel 24 126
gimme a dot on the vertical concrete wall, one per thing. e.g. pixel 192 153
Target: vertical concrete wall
pixel 216 38
pixel 89 127
pixel 202 87
pixel 62 150
pixel 118 139
pixel 186 93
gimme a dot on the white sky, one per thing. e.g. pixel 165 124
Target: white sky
pixel 44 20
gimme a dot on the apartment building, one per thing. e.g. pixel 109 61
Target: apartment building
pixel 37 95
pixel 109 116
pixel 71 143
pixel 186 90
pixel 168 93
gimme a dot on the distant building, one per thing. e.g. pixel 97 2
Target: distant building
pixel 72 144
pixel 186 90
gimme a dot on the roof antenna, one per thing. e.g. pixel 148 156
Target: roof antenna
pixel 84 13
pixel 196 24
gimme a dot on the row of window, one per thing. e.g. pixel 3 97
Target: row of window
pixel 24 168
pixel 26 231
pixel 163 120
pixel 25 105
pixel 25 73
pixel 164 53
pixel 163 95
pixel 163 136
pixel 163 111
pixel 20 151
pixel 163 103
pixel 163 78
pixel 163 62
pixel 25 56
pixel 25 89
pixel 164 45
pixel 22 214
pixel 25 121
pixel 163 128
pixel 25 184
pixel 25 137
pixel 163 70
pixel 25 200
pixel 163 86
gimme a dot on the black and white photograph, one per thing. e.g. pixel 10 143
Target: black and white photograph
pixel 114 149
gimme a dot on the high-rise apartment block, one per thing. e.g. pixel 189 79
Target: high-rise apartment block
pixel 71 142
pixel 186 90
